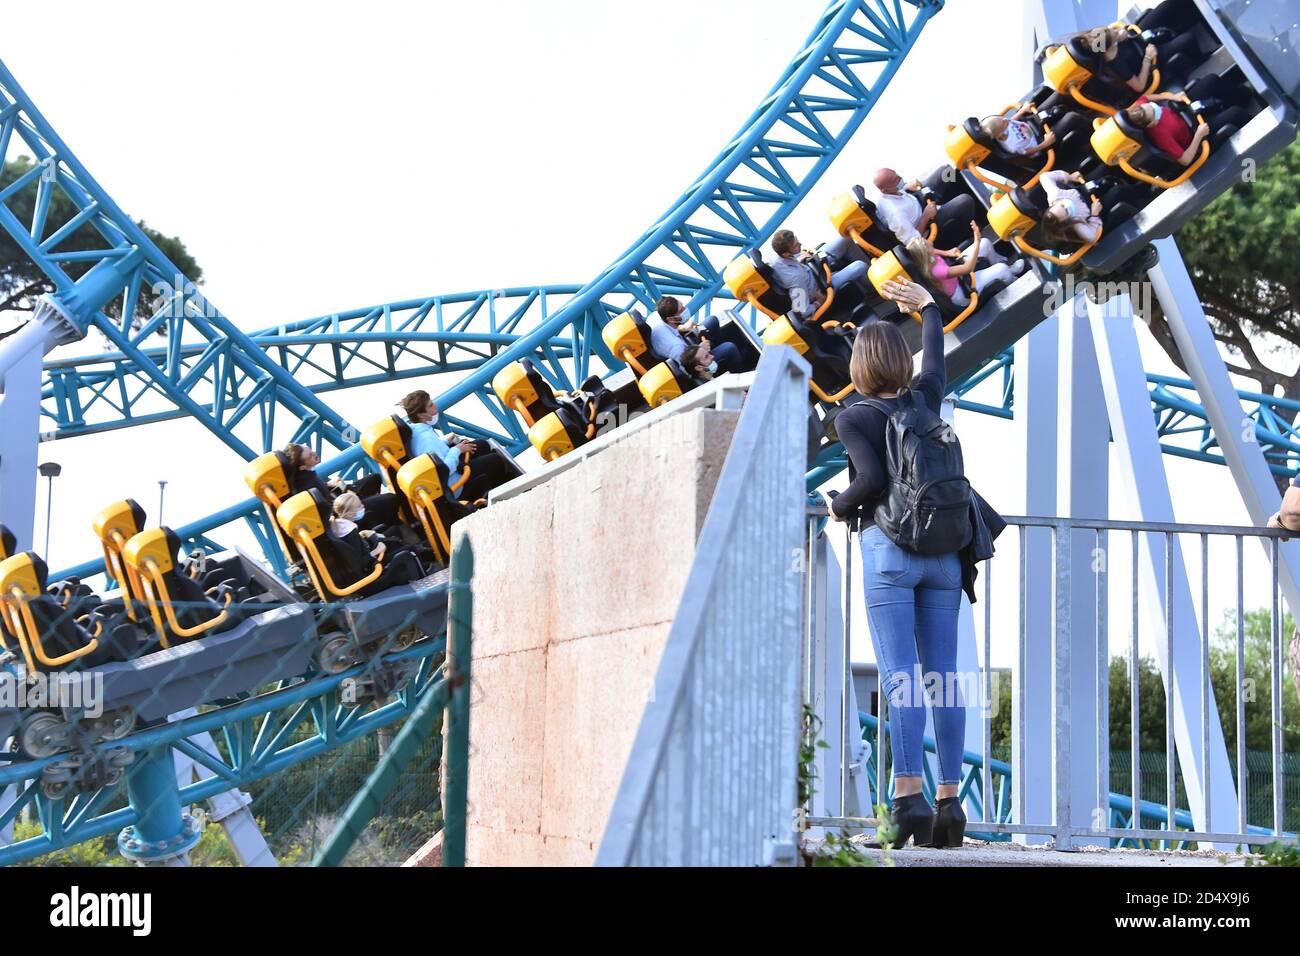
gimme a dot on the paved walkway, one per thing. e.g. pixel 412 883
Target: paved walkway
pixel 979 853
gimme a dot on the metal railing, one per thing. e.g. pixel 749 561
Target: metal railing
pixel 711 776
pixel 1183 642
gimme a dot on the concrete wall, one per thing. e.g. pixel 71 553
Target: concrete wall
pixel 575 586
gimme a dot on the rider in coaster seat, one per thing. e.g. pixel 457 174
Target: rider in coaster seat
pixel 1069 219
pixel 475 468
pixel 382 509
pixel 341 569
pixel 48 637
pixel 752 280
pixel 1163 139
pixel 856 218
pixel 677 329
pixel 1103 68
pixel 812 289
pixel 957 287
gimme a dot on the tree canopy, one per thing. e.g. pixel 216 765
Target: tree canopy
pixel 22 282
pixel 1241 254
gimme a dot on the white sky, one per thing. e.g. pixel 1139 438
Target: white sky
pixel 323 156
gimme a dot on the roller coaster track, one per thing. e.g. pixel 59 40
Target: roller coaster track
pixel 212 370
pixel 221 375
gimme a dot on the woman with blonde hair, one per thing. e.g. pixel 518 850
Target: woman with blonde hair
pixel 938 273
pixel 360 548
pixel 912 598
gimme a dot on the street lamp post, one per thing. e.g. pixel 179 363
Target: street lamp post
pixel 162 490
pixel 49 470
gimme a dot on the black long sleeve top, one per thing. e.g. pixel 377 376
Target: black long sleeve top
pixel 304 479
pixel 862 428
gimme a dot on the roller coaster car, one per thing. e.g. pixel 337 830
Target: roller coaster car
pixel 669 380
pixel 522 387
pixel 1017 218
pixel 1072 69
pixel 628 337
pixel 180 607
pixel 855 218
pixel 275 641
pixel 972 149
pixel 1119 143
pixel 425 482
pixel 353 627
pixel 827 351
pixel 584 413
pixel 899 263
pixel 750 279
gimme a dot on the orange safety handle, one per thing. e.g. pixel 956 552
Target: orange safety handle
pixel 866 246
pixel 520 406
pixel 830 296
pixel 625 353
pixel 29 637
pixel 425 504
pixel 170 612
pixel 753 300
pixel 959 319
pixel 310 546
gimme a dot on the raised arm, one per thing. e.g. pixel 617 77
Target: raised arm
pixel 912 297
pixel 932 360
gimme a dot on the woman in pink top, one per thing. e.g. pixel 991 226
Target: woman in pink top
pixel 939 273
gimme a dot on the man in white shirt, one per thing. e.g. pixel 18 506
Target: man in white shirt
pixel 901 209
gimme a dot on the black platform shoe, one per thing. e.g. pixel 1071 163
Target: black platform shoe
pixel 949 823
pixel 912 816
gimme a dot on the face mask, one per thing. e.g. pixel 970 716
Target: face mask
pixel 1158 110
pixel 713 367
pixel 361 513
pixel 434 419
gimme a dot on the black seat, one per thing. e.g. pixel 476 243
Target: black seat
pixel 48 635
pixel 522 387
pixel 425 482
pixel 335 572
pixel 180 607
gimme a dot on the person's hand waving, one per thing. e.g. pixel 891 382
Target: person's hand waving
pixel 909 296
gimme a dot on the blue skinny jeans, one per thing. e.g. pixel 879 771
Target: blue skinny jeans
pixel 912 604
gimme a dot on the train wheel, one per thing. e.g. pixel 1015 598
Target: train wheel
pixel 116 724
pixel 333 656
pixel 43 735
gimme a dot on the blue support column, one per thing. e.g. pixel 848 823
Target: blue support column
pixel 1031 677
pixel 1167 599
pixel 163 833
pixel 1082 475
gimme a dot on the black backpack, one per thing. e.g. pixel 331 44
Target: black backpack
pixel 926 508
